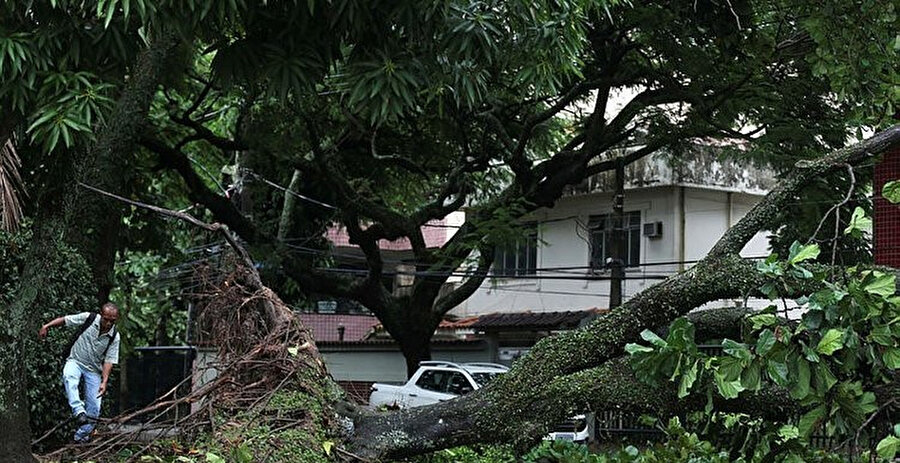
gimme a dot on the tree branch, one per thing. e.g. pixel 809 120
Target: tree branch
pixel 213 227
pixel 224 211
pixel 474 281
pixel 207 135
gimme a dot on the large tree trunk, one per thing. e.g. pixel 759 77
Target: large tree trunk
pixel 557 374
pixel 415 350
pixel 412 326
pixel 50 232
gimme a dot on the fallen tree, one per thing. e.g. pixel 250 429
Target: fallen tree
pixel 562 374
pixel 559 371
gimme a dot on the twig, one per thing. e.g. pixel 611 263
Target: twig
pixel 836 206
pixel 52 430
pixel 213 227
pixel 866 423
pixel 350 454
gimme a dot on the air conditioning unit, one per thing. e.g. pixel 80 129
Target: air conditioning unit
pixel 653 229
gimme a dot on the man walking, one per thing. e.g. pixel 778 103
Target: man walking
pixel 91 357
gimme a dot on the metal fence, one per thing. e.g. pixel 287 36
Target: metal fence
pixel 151 372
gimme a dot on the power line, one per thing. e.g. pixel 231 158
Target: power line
pixel 552 292
pixel 499 276
pixel 293 193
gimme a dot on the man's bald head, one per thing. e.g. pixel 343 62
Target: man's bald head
pixel 109 313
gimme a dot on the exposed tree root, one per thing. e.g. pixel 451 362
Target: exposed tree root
pixel 271 378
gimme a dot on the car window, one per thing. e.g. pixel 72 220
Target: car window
pixel 433 380
pixel 483 378
pixel 458 384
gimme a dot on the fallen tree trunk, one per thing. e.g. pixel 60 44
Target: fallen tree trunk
pixel 515 407
pixel 275 371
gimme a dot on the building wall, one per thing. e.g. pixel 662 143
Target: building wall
pixel 706 213
pixel 388 365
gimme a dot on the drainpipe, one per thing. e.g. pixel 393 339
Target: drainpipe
pixel 617 248
pixel 679 246
pixel 729 210
pixel 341 330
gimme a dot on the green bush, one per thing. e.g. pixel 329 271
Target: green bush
pixel 473 454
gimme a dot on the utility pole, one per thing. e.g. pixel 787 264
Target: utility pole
pixel 616 258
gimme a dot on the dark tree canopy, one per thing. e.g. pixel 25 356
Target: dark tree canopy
pixel 400 113
pixel 499 107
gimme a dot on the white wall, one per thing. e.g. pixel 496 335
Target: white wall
pixel 387 366
pixel 707 215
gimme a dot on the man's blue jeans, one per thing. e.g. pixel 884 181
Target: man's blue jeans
pixel 72 376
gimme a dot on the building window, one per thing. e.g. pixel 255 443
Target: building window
pixel 601 228
pixel 518 257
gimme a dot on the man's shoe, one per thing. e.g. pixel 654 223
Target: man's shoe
pixel 81 418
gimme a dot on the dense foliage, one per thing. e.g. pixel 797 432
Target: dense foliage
pixel 838 360
pixel 70 292
pixel 497 106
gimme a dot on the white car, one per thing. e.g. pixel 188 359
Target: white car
pixel 579 429
pixel 437 381
pixel 433 382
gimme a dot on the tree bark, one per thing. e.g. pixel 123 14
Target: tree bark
pixel 287 209
pixel 513 408
pixel 50 232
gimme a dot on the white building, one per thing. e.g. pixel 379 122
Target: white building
pixel 674 215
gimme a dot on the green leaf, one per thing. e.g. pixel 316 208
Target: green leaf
pixel 891 190
pixel 736 349
pixel 652 338
pixel 213 458
pixel 788 432
pixel 800 389
pixel 632 349
pixel 765 342
pixel 881 334
pixel 800 253
pixel 750 377
pixel 728 389
pixel 887 447
pixel 327 446
pixel 881 284
pixel 242 454
pixel 824 378
pixel 778 371
pixel 891 358
pixel 859 223
pixel 809 421
pixel 770 290
pixel 687 380
pixel 830 342
pixel 763 320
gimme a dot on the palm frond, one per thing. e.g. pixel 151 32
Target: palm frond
pixel 11 187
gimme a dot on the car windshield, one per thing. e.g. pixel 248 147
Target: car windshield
pixel 483 378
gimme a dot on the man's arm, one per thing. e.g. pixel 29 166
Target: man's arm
pixel 60 321
pixel 107 367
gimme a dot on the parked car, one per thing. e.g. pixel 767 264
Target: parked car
pixel 578 428
pixel 434 382
pixel 438 381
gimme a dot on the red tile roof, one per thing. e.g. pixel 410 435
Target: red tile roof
pixel 435 232
pixel 325 326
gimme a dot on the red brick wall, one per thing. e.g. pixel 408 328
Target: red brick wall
pixel 887 215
